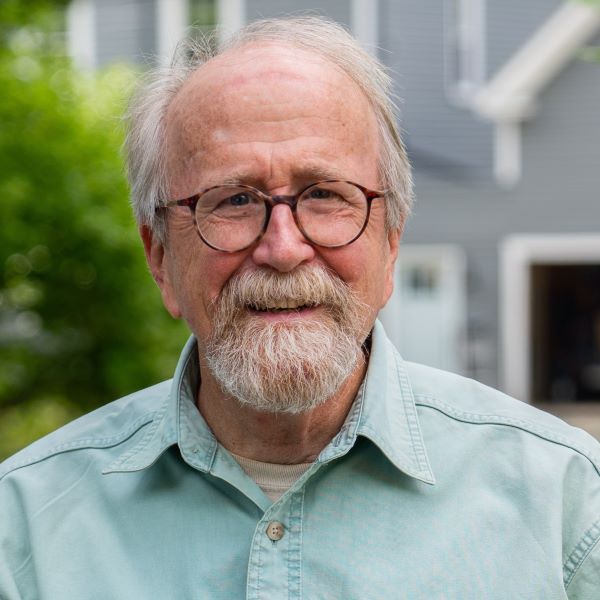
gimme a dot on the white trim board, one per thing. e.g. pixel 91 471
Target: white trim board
pixel 517 254
pixel 364 17
pixel 231 16
pixel 171 25
pixel 465 49
pixel 511 96
pixel 81 33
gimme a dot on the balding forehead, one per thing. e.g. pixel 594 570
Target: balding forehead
pixel 225 75
pixel 239 64
pixel 235 87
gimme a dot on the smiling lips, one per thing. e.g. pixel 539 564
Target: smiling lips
pixel 282 306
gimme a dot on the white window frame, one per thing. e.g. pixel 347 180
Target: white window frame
pixel 171 26
pixel 81 33
pixel 231 16
pixel 364 21
pixel 517 255
pixel 171 22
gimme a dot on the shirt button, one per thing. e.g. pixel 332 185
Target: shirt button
pixel 275 531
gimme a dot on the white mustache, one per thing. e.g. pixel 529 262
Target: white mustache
pixel 264 288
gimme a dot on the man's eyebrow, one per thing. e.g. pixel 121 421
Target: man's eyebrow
pixel 302 175
pixel 316 172
pixel 237 177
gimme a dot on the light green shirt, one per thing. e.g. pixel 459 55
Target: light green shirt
pixel 436 487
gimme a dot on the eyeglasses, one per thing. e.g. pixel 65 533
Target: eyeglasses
pixel 232 217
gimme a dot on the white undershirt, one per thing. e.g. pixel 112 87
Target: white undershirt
pixel 273 479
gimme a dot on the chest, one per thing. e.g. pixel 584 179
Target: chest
pixel 364 536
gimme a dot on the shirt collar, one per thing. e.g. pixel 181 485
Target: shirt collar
pixel 178 422
pixel 384 412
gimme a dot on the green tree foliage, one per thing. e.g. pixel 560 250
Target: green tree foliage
pixel 591 53
pixel 81 321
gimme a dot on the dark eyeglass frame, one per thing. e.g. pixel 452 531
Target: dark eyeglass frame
pixel 270 202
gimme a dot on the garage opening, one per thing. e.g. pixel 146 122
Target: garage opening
pixel 565 333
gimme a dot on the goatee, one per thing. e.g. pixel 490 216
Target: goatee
pixel 289 365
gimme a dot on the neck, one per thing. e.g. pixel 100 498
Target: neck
pixel 275 438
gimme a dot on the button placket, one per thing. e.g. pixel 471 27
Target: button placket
pixel 274 568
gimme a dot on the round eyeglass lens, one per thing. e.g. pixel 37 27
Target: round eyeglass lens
pixel 230 218
pixel 332 213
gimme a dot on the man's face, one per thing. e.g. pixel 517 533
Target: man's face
pixel 278 119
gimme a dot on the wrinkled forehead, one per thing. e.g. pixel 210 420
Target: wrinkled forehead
pixel 234 86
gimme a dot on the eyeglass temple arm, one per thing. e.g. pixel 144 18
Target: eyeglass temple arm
pixel 189 202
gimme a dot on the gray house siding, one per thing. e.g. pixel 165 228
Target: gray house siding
pixel 338 10
pixel 510 24
pixel 559 192
pixel 452 151
pixel 125 31
pixel 561 146
pixel 438 133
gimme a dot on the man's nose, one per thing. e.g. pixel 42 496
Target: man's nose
pixel 283 247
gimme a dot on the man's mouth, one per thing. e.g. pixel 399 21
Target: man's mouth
pixel 281 306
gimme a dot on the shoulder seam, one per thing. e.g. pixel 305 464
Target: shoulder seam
pixel 83 443
pixel 581 551
pixel 493 419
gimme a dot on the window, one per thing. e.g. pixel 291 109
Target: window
pixel 174 19
pixel 202 14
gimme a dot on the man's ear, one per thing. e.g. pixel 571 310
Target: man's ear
pixel 393 241
pixel 158 261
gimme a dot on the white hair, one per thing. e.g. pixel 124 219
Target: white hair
pixel 145 142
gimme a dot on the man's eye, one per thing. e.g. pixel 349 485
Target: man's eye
pixel 239 200
pixel 328 195
pixel 321 194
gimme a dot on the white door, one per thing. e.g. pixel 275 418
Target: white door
pixel 426 316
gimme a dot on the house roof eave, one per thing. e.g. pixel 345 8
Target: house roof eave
pixel 511 95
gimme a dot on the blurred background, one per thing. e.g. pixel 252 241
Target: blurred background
pixel 499 273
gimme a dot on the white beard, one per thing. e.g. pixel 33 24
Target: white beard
pixel 289 366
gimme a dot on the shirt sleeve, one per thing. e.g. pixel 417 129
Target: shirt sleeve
pixel 15 556
pixel 583 567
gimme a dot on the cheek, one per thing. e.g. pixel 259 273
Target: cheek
pixel 362 267
pixel 377 274
pixel 202 279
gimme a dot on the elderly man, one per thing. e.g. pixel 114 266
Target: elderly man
pixel 294 454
